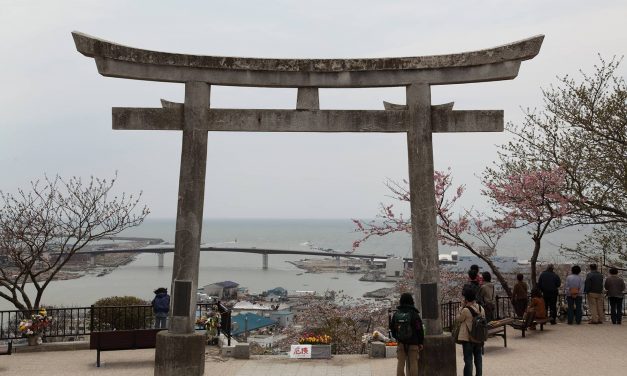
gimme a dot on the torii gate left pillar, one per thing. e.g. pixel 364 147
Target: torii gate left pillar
pixel 181 352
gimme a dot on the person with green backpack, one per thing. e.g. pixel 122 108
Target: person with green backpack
pixel 473 331
pixel 406 328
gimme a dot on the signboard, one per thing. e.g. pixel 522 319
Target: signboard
pixel 300 351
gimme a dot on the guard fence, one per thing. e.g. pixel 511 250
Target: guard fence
pixel 72 324
pixel 504 308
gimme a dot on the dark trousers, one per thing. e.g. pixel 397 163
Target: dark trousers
pixel 574 309
pixel 520 305
pixel 550 301
pixel 161 320
pixel 616 309
pixel 472 351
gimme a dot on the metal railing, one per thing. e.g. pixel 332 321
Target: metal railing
pixel 77 322
pixel 67 322
pixel 504 308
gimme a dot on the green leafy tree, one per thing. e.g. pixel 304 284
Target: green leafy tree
pixel 581 130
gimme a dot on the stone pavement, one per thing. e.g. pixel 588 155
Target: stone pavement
pixel 560 350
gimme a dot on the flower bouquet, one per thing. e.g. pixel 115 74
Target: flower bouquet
pixel 211 324
pixel 34 327
pixel 375 336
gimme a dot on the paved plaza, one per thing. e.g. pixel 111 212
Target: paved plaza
pixel 559 350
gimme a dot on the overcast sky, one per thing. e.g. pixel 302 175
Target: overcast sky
pixel 55 109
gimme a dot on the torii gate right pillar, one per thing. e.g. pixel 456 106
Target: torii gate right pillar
pixel 438 356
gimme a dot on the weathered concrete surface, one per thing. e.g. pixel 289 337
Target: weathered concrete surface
pixel 505 70
pixel 438 356
pixel 181 338
pixel 241 351
pixel 497 63
pixel 307 98
pixel 95 47
pixel 190 199
pixel 228 120
pixel 264 120
pixel 180 354
pixel 422 205
pixel 377 350
pixel 53 346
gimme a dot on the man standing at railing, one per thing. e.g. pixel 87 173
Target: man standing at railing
pixel 549 284
pixel 161 307
pixel 594 289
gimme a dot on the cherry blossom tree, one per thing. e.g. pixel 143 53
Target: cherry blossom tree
pixel 534 199
pixel 458 227
pixel 345 319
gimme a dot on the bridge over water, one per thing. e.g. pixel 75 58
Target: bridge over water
pixel 160 250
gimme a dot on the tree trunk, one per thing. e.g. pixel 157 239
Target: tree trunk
pixel 534 260
pixel 497 274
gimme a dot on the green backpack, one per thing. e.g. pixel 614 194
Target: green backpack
pixel 403 328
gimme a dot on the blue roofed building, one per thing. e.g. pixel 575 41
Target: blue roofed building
pixel 249 322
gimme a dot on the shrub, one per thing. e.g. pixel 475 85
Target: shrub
pixel 121 313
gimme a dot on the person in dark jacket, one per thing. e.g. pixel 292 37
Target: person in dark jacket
pixel 615 286
pixel 408 349
pixel 161 307
pixel 549 284
pixel 473 281
pixel 594 288
pixel 519 296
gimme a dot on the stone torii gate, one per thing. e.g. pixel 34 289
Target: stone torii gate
pixel 180 351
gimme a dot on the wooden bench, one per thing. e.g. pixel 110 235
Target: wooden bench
pixel 122 340
pixel 498 328
pixel 530 320
pixel 8 350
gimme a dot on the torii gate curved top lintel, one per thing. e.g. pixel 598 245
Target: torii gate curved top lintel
pixel 418 118
pixel 498 63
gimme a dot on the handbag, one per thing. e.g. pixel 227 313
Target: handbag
pixel 574 292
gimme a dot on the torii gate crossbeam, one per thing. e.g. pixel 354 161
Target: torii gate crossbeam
pixel 178 351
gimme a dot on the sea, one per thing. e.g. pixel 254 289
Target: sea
pixel 141 276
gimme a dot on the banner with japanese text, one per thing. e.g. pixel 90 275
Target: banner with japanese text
pixel 300 351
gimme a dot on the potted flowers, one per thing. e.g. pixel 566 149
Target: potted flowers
pixel 34 327
pixel 313 346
